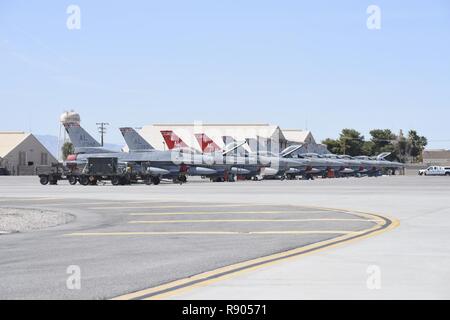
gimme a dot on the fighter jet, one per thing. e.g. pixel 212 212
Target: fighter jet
pixel 350 166
pixel 375 165
pixel 317 165
pixel 258 165
pixel 159 164
pixel 243 166
pixel 215 165
pixel 282 164
pixel 365 165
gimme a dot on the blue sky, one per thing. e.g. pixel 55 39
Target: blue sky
pixel 292 63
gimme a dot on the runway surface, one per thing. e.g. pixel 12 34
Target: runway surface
pixel 129 240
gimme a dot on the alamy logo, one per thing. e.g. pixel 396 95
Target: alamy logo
pixel 73 21
pixel 73 282
pixel 374 19
pixel 374 280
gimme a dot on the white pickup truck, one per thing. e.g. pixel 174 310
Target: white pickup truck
pixel 435 171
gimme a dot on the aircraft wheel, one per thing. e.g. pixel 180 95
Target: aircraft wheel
pixel 84 180
pixel 44 180
pixel 72 180
pixel 148 181
pixel 125 180
pixel 115 180
pixel 156 180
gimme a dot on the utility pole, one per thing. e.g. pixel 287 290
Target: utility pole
pixel 102 129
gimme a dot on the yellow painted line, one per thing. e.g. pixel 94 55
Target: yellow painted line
pixel 177 206
pixel 247 220
pixel 210 277
pixel 153 233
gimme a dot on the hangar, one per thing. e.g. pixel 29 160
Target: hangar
pixel 306 138
pixel 21 152
pixel 258 136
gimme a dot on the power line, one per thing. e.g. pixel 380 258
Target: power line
pixel 102 129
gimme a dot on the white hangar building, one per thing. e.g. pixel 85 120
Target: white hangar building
pixel 21 152
pixel 296 136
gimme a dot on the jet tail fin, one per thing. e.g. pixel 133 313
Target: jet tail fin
pixel 79 137
pixel 383 155
pixel 134 140
pixel 206 143
pixel 172 140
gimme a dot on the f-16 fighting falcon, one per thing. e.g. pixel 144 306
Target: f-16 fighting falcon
pixel 159 164
pixel 270 164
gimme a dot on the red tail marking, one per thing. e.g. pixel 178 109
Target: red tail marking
pixel 172 140
pixel 206 143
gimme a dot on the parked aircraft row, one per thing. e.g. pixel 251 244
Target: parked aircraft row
pixel 220 164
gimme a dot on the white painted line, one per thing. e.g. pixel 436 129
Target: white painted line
pixel 173 206
pixel 204 213
pixel 151 233
pixel 248 220
pixel 29 199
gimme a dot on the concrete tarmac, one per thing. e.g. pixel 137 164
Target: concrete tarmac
pixel 130 238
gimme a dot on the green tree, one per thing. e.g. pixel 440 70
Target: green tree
pixel 367 148
pixel 416 144
pixel 351 142
pixel 382 141
pixel 67 149
pixel 333 145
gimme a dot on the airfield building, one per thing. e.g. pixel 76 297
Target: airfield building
pixel 305 138
pixel 21 152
